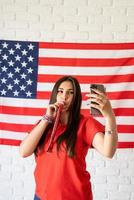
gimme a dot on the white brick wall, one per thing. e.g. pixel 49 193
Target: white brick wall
pixel 68 21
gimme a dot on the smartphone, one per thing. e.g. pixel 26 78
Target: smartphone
pixel 101 88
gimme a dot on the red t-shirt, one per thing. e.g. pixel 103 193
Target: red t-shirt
pixel 59 177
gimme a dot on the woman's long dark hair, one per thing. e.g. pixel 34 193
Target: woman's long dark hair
pixel 70 134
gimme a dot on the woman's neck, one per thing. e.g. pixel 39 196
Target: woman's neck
pixel 64 117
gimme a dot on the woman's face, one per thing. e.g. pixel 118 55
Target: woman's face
pixel 65 94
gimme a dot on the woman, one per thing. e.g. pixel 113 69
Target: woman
pixel 60 172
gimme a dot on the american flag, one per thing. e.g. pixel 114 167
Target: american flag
pixel 28 71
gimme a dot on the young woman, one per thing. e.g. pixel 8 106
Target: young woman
pixel 60 172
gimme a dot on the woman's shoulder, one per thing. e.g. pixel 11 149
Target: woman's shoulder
pixel 89 121
pixel 89 126
pixel 84 118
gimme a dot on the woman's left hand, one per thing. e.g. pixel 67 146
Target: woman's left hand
pixel 100 101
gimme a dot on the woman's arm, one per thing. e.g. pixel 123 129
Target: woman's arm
pixel 29 144
pixel 106 143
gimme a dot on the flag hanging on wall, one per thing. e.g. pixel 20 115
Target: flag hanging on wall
pixel 28 71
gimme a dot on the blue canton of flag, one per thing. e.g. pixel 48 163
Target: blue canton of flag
pixel 18 69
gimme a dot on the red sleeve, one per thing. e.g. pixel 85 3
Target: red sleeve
pixel 92 126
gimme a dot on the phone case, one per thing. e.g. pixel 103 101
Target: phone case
pixel 94 111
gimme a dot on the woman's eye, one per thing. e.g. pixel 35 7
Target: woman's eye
pixel 72 92
pixel 67 93
pixel 60 91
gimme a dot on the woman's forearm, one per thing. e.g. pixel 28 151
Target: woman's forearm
pixel 29 144
pixel 111 136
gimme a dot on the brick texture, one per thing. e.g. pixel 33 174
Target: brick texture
pixel 68 21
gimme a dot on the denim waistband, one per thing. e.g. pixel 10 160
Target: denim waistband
pixel 36 198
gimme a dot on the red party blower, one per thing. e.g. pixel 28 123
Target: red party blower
pixel 55 126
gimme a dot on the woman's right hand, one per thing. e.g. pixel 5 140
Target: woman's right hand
pixel 52 109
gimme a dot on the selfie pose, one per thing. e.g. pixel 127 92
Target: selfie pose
pixel 62 138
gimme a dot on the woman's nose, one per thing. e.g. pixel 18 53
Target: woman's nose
pixel 64 95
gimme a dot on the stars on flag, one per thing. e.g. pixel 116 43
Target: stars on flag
pixel 18 69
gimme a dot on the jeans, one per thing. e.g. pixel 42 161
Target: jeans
pixel 36 198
